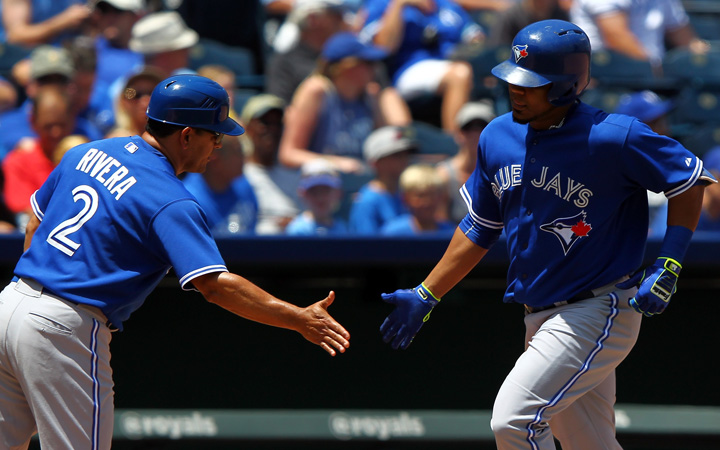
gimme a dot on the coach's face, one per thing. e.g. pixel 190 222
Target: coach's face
pixel 199 147
pixel 531 106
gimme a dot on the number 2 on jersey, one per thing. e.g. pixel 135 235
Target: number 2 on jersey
pixel 58 237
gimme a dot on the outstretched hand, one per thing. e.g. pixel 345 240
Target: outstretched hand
pixel 318 327
pixel 412 310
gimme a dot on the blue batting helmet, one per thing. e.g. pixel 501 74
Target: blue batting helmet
pixel 549 51
pixel 193 101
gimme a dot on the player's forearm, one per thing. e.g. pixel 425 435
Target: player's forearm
pixel 461 256
pixel 684 209
pixel 243 298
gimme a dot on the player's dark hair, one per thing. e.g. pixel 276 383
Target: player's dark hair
pixel 159 129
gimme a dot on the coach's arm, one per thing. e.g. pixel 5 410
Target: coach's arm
pixel 243 298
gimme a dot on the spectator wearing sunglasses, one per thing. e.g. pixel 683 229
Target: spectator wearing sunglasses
pixel 131 104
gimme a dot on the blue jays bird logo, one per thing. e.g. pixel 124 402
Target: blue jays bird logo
pixel 520 51
pixel 568 230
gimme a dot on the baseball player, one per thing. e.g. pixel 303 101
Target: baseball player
pixel 108 224
pixel 567 183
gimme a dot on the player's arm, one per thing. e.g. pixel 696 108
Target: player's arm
pixel 657 283
pixel 684 209
pixel 240 296
pixel 30 229
pixel 413 306
pixel 461 256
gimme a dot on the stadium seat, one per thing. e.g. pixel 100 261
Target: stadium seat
pixel 9 55
pixel 707 26
pixel 485 85
pixel 433 140
pixel 697 106
pixel 615 69
pixel 701 70
pixel 604 97
pixel 701 138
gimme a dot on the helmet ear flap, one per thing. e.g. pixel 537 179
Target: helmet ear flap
pixel 565 96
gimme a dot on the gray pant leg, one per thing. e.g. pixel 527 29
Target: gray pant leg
pixel 589 422
pixel 571 350
pixel 62 359
pixel 17 424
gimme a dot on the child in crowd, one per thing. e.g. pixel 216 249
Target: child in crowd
pixel 422 191
pixel 387 150
pixel 320 189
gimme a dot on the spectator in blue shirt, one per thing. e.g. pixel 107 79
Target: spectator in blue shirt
pixel 421 37
pixel 423 191
pixel 224 193
pixel 320 189
pixel 387 150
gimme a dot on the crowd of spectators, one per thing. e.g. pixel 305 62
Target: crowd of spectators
pixel 331 144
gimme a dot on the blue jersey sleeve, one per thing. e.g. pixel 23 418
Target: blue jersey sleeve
pixel 659 163
pixel 183 234
pixel 483 223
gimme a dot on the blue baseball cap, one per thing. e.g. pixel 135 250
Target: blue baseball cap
pixel 345 45
pixel 645 105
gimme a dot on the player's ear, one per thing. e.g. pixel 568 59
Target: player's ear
pixel 185 136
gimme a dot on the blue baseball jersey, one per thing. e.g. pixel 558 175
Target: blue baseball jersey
pixel 114 220
pixel 572 200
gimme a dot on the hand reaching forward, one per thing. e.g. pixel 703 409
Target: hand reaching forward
pixel 318 327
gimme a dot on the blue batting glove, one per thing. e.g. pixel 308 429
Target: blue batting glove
pixel 412 310
pixel 657 284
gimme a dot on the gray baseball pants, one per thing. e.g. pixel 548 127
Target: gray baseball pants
pixel 55 375
pixel 563 385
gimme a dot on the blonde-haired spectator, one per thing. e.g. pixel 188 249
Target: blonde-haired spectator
pixel 423 189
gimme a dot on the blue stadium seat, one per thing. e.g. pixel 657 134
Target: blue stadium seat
pixel 701 138
pixel 9 55
pixel 485 85
pixel 707 26
pixel 697 106
pixel 604 97
pixel 433 140
pixel 615 69
pixel 687 67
